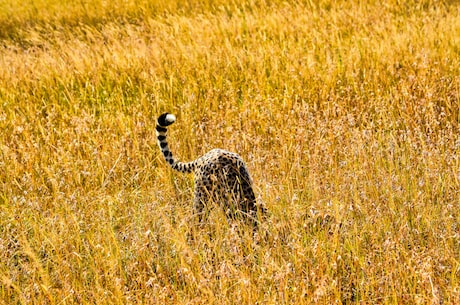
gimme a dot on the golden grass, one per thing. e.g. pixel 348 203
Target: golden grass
pixel 347 114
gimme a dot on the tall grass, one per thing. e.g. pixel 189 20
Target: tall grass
pixel 347 114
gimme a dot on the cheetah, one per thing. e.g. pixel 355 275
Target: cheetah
pixel 220 177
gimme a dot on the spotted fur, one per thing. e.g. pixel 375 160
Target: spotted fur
pixel 220 177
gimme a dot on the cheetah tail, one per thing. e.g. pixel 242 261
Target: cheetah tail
pixel 163 122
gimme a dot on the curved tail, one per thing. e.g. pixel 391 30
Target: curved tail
pixel 163 122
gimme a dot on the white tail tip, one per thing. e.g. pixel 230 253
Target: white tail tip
pixel 170 118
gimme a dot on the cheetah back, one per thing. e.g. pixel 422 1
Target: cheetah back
pixel 222 177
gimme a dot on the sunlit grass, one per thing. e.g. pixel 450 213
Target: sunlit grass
pixel 346 113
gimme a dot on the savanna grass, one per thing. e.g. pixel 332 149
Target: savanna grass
pixel 346 112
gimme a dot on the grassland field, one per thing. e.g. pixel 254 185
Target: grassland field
pixel 346 113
